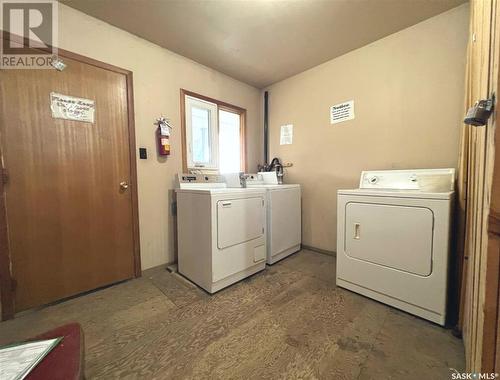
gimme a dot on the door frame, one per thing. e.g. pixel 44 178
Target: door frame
pixel 7 282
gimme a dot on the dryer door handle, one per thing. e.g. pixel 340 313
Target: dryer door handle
pixel 357 231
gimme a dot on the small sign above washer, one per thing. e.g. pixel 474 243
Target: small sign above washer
pixel 286 134
pixel 342 112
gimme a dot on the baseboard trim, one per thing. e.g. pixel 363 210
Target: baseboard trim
pixel 154 269
pixel 319 250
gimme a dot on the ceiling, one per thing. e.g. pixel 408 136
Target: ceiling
pixel 262 41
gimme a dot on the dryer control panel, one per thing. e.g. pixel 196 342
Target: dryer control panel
pixel 188 181
pixel 413 179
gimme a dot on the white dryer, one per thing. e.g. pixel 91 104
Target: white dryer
pixel 393 238
pixel 284 216
pixel 221 231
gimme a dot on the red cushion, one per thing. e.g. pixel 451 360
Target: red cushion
pixel 65 361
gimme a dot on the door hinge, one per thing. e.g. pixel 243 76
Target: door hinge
pixel 5 176
pixel 263 203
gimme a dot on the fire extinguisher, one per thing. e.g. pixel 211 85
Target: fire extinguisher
pixel 163 136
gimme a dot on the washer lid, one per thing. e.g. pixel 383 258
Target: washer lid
pixel 397 193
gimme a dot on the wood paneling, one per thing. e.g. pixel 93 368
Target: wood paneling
pixel 497 346
pixel 479 196
pixel 70 227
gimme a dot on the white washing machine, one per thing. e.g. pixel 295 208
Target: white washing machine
pixel 393 237
pixel 221 231
pixel 284 228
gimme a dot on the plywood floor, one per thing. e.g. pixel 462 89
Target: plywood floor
pixel 288 322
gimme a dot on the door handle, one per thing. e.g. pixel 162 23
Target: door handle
pixel 123 186
pixel 356 231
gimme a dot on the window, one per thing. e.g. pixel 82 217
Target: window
pixel 229 142
pixel 201 134
pixel 213 134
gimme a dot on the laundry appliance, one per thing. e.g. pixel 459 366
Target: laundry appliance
pixel 393 239
pixel 221 231
pixel 284 231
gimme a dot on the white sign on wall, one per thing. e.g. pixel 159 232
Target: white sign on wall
pixel 342 112
pixel 71 108
pixel 286 135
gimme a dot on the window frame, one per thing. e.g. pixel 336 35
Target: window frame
pixel 220 106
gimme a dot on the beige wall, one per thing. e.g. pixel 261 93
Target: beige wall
pixel 408 90
pixel 158 76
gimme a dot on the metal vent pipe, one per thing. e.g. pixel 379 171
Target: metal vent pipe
pixel 266 128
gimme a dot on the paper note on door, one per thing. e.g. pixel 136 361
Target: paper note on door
pixel 342 112
pixel 71 108
pixel 286 136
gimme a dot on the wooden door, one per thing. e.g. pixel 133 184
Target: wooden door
pixel 71 226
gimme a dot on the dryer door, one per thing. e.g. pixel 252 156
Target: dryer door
pixel 239 220
pixel 398 237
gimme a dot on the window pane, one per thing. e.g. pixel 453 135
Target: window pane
pixel 200 119
pixel 229 142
